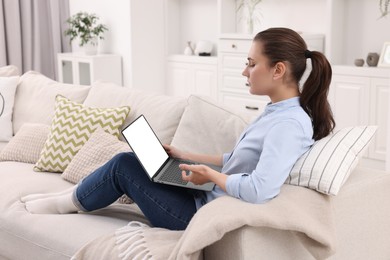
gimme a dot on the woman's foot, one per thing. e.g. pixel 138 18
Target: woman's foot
pixel 51 203
pixel 46 195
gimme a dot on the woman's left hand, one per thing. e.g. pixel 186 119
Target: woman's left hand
pixel 198 174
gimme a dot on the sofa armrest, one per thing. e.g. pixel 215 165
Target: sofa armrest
pixel 257 243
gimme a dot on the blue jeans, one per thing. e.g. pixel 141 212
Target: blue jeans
pixel 163 205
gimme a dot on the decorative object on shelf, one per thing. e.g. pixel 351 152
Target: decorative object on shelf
pixel 384 60
pixel 189 50
pixel 359 62
pixel 248 9
pixel 384 7
pixel 84 26
pixel 203 48
pixel 372 59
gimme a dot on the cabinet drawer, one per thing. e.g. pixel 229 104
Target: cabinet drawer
pixel 234 46
pixel 253 105
pixel 233 62
pixel 234 81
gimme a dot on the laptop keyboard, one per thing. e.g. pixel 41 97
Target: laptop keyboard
pixel 173 174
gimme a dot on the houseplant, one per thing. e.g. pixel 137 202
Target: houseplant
pixel 85 27
pixel 384 7
pixel 248 9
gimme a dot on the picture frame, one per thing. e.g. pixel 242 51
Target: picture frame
pixel 384 58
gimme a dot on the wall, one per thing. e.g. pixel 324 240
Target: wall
pixel 136 32
pixel 364 32
pixel 117 38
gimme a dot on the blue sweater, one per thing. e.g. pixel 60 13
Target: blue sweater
pixel 265 154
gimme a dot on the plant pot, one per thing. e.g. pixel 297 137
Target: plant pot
pixel 90 48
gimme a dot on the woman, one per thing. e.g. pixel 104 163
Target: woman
pixel 260 162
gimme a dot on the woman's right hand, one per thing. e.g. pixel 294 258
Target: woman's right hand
pixel 173 151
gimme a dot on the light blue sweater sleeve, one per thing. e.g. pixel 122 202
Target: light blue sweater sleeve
pixel 283 145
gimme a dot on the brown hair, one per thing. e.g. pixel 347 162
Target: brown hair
pixel 286 45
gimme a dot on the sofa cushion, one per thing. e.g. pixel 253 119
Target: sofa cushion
pixel 49 236
pixel 208 128
pixel 329 162
pixel 8 71
pixel 35 98
pixel 72 125
pixel 163 112
pixel 99 149
pixel 7 98
pixel 27 144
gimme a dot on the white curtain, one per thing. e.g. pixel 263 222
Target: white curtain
pixel 31 34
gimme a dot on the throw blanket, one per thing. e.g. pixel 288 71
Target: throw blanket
pixel 303 211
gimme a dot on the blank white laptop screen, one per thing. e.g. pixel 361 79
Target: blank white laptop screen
pixel 145 145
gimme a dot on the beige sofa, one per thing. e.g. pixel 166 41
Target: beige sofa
pixel 361 209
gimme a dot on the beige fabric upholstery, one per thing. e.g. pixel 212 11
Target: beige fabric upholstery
pixel 99 149
pixel 208 128
pixel 35 98
pixel 49 236
pixel 8 71
pixel 162 112
pixel 27 144
pixel 362 226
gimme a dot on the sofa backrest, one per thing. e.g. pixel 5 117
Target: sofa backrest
pixel 35 98
pixel 162 112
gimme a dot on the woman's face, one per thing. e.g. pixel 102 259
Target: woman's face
pixel 259 73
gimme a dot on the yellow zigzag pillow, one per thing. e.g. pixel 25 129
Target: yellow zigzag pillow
pixel 71 127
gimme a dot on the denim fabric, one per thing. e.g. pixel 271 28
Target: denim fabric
pixel 163 205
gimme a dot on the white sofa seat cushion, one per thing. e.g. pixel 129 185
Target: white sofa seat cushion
pixel 163 112
pixel 50 236
pixel 35 98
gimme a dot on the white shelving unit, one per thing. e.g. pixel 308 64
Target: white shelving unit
pixel 81 69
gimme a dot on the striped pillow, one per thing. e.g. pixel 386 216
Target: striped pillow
pixel 329 162
pixel 71 127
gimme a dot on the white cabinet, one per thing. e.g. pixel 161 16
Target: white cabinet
pixel 233 89
pixel 81 69
pixel 188 75
pixel 360 96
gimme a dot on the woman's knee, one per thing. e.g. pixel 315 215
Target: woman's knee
pixel 123 158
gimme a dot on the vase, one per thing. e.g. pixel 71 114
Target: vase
pixel 248 25
pixel 372 59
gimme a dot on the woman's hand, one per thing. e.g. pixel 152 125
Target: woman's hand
pixel 201 174
pixel 174 152
pixel 198 174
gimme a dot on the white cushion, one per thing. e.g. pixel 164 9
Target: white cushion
pixel 7 98
pixel 99 149
pixel 163 112
pixel 329 162
pixel 208 128
pixel 27 144
pixel 8 71
pixel 35 98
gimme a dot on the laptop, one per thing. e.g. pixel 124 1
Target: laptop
pixel 158 165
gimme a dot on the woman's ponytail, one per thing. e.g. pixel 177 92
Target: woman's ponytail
pixel 314 95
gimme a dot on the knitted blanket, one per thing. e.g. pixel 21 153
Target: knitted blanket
pixel 303 211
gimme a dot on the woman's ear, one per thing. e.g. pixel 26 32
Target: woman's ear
pixel 280 70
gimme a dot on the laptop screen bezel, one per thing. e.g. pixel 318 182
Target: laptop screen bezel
pixel 135 153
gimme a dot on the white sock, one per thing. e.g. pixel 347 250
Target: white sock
pixel 46 195
pixel 60 204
